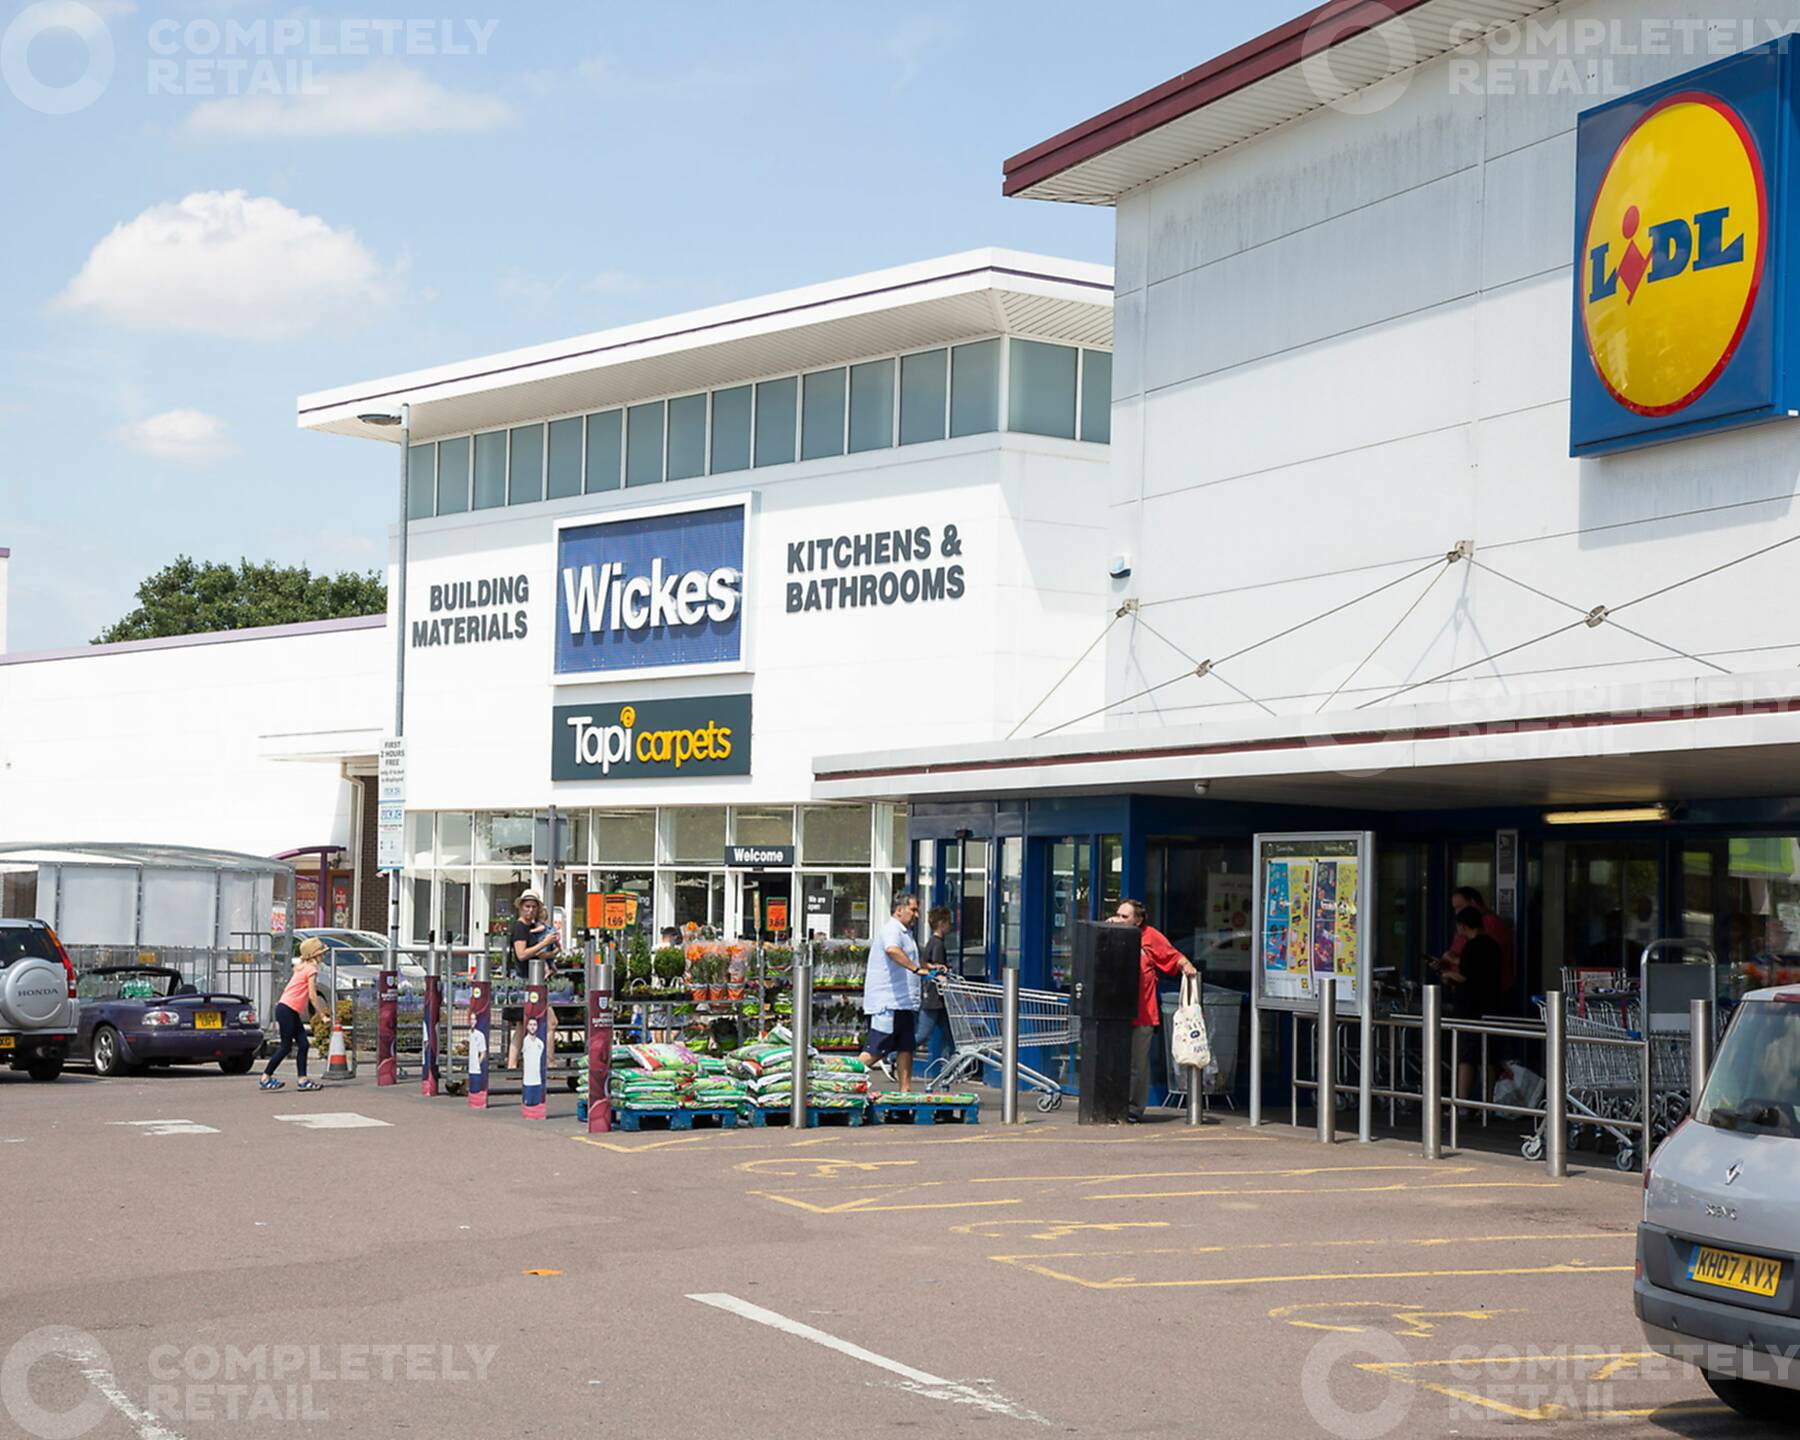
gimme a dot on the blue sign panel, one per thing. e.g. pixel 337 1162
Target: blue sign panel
pixel 1684 206
pixel 651 592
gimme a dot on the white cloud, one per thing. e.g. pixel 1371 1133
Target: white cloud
pixel 613 282
pixel 607 76
pixel 377 100
pixel 226 263
pixel 521 287
pixel 186 435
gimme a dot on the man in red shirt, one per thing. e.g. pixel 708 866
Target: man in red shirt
pixel 1156 955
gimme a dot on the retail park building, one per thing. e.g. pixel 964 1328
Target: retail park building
pixel 1403 528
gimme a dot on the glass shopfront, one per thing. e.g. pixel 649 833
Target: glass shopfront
pixel 467 870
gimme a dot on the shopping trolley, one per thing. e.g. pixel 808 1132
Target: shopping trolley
pixel 973 1008
pixel 1601 1083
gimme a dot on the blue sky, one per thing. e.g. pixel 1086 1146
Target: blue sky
pixel 183 261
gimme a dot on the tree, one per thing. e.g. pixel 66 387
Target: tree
pixel 190 598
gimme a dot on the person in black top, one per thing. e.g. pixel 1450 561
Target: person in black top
pixel 931 1004
pixel 531 936
pixel 1473 980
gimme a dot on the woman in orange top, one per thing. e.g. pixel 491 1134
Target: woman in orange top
pixel 290 1015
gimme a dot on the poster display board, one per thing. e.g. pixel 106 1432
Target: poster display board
pixel 1312 918
pixel 428 1043
pixel 387 1026
pixel 535 1053
pixel 600 1044
pixel 481 1015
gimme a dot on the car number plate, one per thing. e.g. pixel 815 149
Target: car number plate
pixel 1728 1270
pixel 6 1042
pixel 209 1020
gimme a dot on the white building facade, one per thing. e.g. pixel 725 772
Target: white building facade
pixel 653 573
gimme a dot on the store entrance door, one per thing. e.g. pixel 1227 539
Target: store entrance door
pixel 765 906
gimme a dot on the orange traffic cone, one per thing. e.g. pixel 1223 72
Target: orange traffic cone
pixel 340 1057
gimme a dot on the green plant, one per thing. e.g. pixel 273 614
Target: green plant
pixel 637 959
pixel 669 963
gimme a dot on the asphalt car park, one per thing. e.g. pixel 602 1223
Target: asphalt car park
pixel 530 1278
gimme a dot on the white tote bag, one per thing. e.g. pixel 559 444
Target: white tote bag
pixel 1188 1041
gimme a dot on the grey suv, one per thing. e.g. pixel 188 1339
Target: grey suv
pixel 37 999
pixel 1720 1244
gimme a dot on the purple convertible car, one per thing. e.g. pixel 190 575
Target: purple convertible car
pixel 137 1015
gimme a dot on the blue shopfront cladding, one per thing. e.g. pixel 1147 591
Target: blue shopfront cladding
pixel 1017 874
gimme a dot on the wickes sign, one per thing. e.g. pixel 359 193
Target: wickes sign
pixel 1681 250
pixel 651 739
pixel 659 591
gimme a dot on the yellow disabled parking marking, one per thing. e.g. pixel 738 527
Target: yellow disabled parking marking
pixel 816 1169
pixel 1398 1185
pixel 1416 1323
pixel 870 1204
pixel 1055 1229
pixel 1131 1282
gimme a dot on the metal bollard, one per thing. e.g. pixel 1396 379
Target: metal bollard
pixel 801 1024
pixel 1431 1075
pixel 1325 1096
pixel 1196 1102
pixel 1009 1045
pixel 1700 1054
pixel 1556 1090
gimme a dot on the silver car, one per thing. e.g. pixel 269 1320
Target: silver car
pixel 1719 1247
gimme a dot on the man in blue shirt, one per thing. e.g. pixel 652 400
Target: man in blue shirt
pixel 891 989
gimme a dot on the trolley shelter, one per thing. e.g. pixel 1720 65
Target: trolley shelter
pixel 1311 931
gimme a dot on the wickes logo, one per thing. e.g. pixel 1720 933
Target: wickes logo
pixel 1672 258
pixel 652 739
pixel 607 597
pixel 657 591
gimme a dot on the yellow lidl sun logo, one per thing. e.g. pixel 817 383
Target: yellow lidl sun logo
pixel 1673 255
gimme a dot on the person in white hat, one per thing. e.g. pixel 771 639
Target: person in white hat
pixel 530 937
pixel 290 1015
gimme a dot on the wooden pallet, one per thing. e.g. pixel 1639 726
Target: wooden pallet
pixel 815 1116
pixel 919 1114
pixel 724 1118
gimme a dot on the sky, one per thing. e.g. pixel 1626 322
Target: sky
pixel 219 205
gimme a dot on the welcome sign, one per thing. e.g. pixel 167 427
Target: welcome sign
pixel 658 590
pixel 1681 256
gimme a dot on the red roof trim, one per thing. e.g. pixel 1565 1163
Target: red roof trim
pixel 1257 59
pixel 1536 725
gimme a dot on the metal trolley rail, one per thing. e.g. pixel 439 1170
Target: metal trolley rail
pixel 974 1010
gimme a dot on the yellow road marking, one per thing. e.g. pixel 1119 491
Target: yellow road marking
pixel 1615 1366
pixel 1332 1190
pixel 1058 1229
pixel 1420 1240
pixel 867 1204
pixel 816 1169
pixel 665 1144
pixel 1550 1410
pixel 1131 1282
pixel 1416 1322
pixel 1295 1172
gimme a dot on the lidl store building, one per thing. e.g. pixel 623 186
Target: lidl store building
pixel 1454 464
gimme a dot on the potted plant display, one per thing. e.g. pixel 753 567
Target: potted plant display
pixel 638 965
pixel 734 974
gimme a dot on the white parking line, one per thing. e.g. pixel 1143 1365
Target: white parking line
pixel 168 1127
pixel 919 1382
pixel 333 1120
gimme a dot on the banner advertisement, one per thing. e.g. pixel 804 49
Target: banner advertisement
pixel 1312 907
pixel 481 1002
pixel 428 1042
pixel 387 1025
pixel 535 1052
pixel 599 1038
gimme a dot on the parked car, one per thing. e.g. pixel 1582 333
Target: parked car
pixel 1717 1283
pixel 137 1015
pixel 37 999
pixel 360 956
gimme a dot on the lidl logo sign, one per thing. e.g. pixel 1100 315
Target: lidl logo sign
pixel 1678 233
